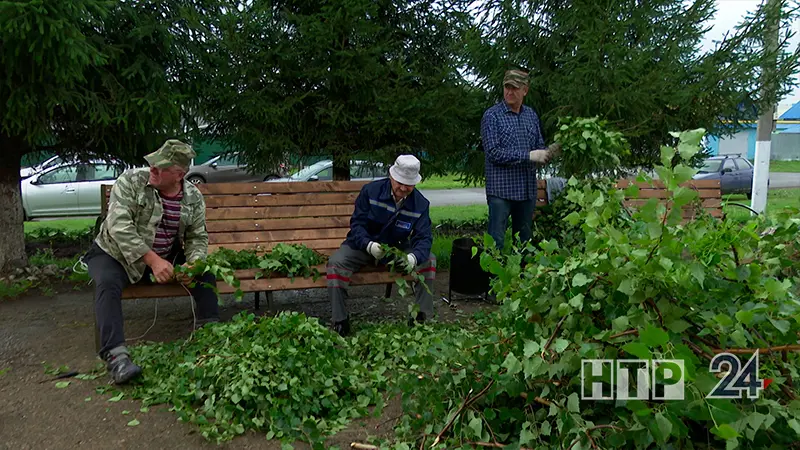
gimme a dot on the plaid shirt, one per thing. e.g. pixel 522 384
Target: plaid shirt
pixel 508 139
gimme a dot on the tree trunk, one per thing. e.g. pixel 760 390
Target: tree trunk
pixel 341 168
pixel 12 231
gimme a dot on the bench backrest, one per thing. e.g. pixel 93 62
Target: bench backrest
pixel 256 216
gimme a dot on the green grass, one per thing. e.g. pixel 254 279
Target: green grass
pixel 784 166
pixel 458 213
pixel 61 224
pixel 443 182
pixel 777 199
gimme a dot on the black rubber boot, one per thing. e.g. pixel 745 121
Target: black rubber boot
pixel 420 319
pixel 343 327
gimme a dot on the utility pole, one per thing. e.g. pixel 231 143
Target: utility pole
pixel 766 119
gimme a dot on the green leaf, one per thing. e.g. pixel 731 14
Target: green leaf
pixel 745 317
pixel 653 336
pixel 577 301
pixel 627 286
pixel 678 326
pixel 560 345
pixel 725 431
pixel 133 423
pixel 476 425
pixel 512 364
pixel 580 280
pixel 62 384
pixel 531 348
pixel 780 325
pixel 573 403
pixel 755 419
pixel 683 174
pixel 794 425
pixel 116 398
pixel 637 349
pixel 620 323
pixel 664 426
pixel 546 428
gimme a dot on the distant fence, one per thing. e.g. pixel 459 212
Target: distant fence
pixel 785 146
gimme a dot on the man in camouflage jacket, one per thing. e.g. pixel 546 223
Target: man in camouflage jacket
pixel 156 220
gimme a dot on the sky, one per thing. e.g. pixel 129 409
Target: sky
pixel 729 14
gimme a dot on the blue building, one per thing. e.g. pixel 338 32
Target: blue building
pixel 785 138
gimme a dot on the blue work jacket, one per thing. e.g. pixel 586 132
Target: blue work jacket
pixel 377 219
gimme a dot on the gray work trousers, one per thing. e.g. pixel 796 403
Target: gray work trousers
pixel 345 261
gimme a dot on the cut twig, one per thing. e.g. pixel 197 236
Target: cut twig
pixel 539 400
pixel 492 445
pixel 553 336
pixel 467 402
pixel 624 333
pixel 744 351
pixel 698 350
pixel 387 421
pixel 358 446
pixel 653 304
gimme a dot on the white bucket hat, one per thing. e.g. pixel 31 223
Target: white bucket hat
pixel 406 170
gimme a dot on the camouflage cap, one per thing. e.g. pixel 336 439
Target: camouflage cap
pixel 172 153
pixel 516 78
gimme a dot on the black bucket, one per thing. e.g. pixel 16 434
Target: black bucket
pixel 466 275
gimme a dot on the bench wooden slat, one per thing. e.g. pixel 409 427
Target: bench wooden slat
pixel 277 236
pixel 316 244
pixel 283 187
pixel 337 198
pixel 277 212
pixel 706 203
pixel 217 226
pixel 662 194
pixel 697 184
pixel 363 278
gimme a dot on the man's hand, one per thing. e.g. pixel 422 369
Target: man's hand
pixel 553 150
pixel 374 249
pixel 539 156
pixel 162 269
pixel 182 277
pixel 411 262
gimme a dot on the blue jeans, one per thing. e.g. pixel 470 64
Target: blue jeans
pixel 521 213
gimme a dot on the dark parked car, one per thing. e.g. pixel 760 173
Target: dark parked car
pixel 734 172
pixel 226 169
pixel 323 171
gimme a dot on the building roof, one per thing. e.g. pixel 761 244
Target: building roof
pixel 792 113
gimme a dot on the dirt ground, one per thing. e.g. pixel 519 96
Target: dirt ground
pixel 58 330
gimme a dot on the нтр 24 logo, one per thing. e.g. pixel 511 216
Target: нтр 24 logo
pixel 738 378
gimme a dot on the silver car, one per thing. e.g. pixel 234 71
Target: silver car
pixel 71 189
pixel 323 171
pixel 227 169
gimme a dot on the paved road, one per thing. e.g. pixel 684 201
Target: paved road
pixel 477 196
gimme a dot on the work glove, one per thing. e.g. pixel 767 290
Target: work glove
pixel 374 249
pixel 411 262
pixel 539 156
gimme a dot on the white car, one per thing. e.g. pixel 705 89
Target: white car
pixel 71 189
pixel 53 161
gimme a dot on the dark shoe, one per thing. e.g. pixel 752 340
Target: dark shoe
pixel 203 322
pixel 122 369
pixel 343 327
pixel 420 319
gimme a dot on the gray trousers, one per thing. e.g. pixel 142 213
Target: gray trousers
pixel 345 261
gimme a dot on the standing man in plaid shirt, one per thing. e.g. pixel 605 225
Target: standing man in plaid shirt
pixel 513 144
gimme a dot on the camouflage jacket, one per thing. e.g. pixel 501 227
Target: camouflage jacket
pixel 134 211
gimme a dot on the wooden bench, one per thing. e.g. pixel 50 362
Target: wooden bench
pixel 708 192
pixel 257 216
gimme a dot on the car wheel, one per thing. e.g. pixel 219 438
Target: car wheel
pixel 196 179
pixel 271 177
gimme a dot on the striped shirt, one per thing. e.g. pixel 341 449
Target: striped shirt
pixel 167 229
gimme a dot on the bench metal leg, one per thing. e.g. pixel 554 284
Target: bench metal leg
pixel 388 290
pixel 257 299
pixel 268 295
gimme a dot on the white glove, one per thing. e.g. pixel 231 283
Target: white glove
pixel 374 249
pixel 540 156
pixel 412 262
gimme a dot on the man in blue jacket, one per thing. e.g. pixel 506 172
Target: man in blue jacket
pixel 388 211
